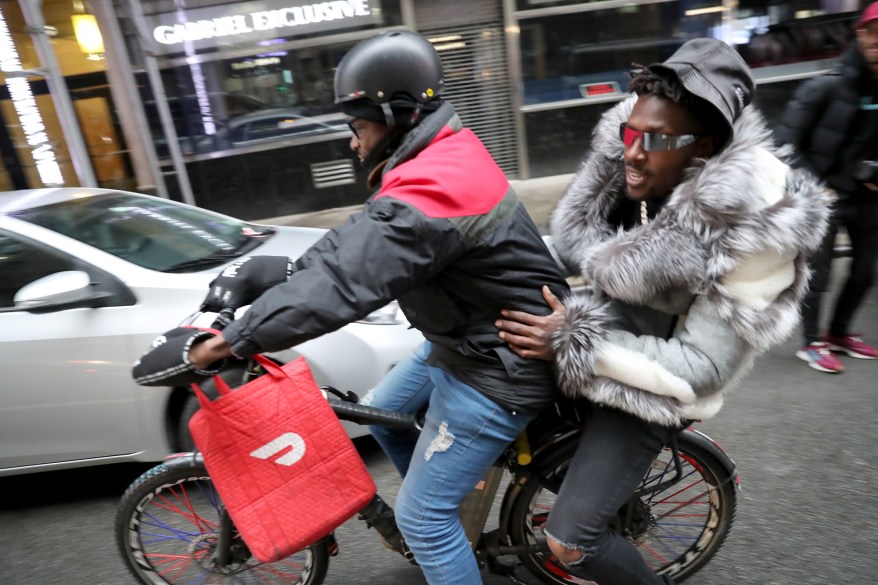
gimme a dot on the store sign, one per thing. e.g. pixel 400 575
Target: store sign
pixel 253 21
pixel 26 108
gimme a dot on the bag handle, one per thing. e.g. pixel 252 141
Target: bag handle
pixel 223 388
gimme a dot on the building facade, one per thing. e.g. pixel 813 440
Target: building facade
pixel 229 105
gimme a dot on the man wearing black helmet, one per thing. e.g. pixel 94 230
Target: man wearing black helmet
pixel 445 235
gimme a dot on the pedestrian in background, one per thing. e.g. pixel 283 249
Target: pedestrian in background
pixel 832 123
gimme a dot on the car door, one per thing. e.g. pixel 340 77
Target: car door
pixel 65 387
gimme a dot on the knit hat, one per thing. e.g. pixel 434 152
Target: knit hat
pixel 713 71
pixel 869 14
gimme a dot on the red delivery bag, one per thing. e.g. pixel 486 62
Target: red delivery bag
pixel 280 459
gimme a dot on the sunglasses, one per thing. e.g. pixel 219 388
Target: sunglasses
pixel 354 128
pixel 653 141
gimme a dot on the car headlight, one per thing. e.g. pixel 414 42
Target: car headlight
pixel 389 314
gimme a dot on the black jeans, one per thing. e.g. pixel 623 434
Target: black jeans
pixel 614 454
pixel 859 216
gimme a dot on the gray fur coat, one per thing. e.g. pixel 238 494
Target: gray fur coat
pixel 679 307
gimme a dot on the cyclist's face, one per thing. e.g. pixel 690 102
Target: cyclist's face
pixel 366 136
pixel 654 174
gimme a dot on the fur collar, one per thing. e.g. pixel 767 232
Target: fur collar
pixel 740 203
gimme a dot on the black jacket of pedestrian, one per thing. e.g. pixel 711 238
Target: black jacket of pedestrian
pixel 827 126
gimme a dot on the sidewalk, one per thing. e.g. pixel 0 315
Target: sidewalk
pixel 538 195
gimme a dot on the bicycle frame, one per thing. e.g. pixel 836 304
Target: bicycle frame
pixel 677 519
pixel 533 458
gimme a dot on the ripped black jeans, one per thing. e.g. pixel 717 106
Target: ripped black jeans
pixel 614 454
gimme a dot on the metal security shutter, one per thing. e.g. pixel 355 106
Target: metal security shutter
pixel 469 37
pixel 333 173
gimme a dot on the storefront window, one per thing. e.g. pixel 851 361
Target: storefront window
pixel 32 143
pixel 283 95
pixel 254 74
pixel 566 56
pixel 570 55
pixel 786 33
pixel 249 89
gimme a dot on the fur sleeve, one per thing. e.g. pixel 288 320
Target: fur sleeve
pixel 576 341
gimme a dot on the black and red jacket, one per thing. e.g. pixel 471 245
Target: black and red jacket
pixel 445 235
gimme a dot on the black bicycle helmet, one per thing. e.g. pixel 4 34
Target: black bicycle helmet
pixel 390 70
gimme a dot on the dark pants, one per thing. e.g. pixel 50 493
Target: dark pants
pixel 614 454
pixel 859 216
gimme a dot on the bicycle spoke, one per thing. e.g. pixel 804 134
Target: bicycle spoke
pixel 676 528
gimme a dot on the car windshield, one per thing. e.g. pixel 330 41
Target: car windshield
pixel 148 231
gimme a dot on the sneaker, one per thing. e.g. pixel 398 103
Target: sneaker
pixel 852 345
pixel 819 357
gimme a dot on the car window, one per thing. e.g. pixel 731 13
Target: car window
pixel 151 232
pixel 275 126
pixel 270 128
pixel 24 261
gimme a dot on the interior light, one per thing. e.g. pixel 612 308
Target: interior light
pixel 707 10
pixel 88 36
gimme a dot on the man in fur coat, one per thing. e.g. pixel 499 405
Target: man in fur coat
pixel 692 233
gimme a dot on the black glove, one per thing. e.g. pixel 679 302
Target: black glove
pixel 166 362
pixel 244 281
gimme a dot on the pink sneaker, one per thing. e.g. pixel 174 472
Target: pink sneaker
pixel 852 345
pixel 819 357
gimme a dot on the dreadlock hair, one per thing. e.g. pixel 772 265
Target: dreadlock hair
pixel 642 80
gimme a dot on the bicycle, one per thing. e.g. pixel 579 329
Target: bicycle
pixel 171 527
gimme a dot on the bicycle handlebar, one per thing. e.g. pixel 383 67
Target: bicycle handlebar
pixel 223 318
pixel 362 414
pixel 345 410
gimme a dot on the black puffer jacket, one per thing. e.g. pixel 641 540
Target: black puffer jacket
pixel 448 237
pixel 822 117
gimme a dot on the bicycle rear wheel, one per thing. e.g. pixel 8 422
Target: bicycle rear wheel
pixel 167 527
pixel 677 529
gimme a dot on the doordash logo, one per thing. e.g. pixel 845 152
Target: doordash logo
pixel 291 441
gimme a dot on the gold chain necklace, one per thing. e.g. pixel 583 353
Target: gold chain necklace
pixel 644 218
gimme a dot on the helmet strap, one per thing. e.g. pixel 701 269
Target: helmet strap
pixel 388 115
pixel 416 115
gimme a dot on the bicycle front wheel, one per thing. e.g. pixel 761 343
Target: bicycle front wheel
pixel 167 529
pixel 677 529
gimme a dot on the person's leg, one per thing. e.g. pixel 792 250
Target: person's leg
pixel 821 265
pixel 816 351
pixel 861 222
pixel 406 388
pixel 613 456
pixel 464 434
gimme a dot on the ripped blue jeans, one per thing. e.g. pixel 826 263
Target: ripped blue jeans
pixel 614 453
pixel 464 434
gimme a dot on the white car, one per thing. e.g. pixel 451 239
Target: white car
pixel 88 277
